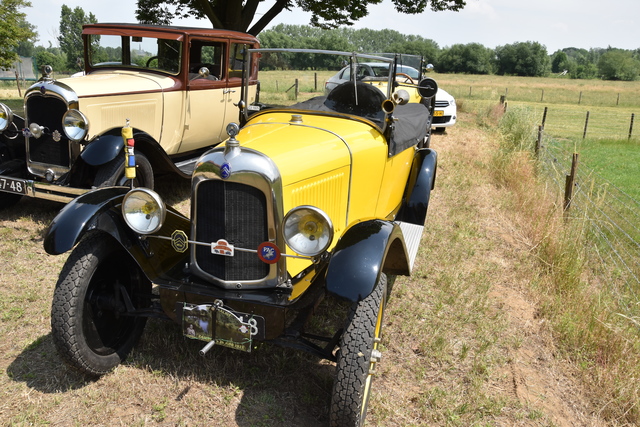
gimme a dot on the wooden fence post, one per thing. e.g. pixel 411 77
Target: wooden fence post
pixel 570 182
pixel 618 100
pixel 580 99
pixel 18 84
pixel 631 125
pixel 544 117
pixel 539 141
pixel 315 82
pixel 542 96
pixel 586 125
pixel 469 91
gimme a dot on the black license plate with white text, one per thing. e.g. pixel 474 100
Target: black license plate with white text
pixel 13 185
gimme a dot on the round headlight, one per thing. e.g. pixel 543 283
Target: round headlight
pixel 75 125
pixel 6 117
pixel 308 230
pixel 143 210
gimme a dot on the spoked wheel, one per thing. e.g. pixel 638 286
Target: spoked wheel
pixel 90 326
pixel 357 358
pixel 112 173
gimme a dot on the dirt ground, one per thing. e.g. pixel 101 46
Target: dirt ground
pixel 533 373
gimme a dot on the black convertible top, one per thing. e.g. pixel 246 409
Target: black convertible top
pixel 410 123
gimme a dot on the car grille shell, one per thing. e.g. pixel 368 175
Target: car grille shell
pixel 47 111
pixel 237 213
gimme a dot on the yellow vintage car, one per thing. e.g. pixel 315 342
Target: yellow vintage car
pixel 177 86
pixel 325 199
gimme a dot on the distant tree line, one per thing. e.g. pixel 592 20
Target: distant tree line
pixel 518 59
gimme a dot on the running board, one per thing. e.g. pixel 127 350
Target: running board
pixel 187 166
pixel 412 235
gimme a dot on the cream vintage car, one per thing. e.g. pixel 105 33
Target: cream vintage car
pixel 177 87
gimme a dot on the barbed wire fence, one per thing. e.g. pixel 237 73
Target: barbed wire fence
pixel 612 218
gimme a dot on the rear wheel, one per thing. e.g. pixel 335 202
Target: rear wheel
pixel 112 173
pixel 90 325
pixel 357 358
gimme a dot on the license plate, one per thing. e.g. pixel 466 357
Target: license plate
pixel 228 328
pixel 12 185
pixel 438 113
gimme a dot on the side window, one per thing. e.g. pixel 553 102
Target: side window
pixel 236 56
pixel 206 54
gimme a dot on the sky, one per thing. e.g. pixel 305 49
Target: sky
pixel 555 24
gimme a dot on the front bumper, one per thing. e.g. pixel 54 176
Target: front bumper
pixel 39 190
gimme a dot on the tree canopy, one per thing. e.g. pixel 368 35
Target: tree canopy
pixel 238 15
pixel 71 22
pixel 14 30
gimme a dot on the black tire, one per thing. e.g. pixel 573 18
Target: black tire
pixel 356 366
pixel 112 173
pixel 88 326
pixel 8 200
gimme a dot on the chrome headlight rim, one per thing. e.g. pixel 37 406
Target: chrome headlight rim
pixel 144 218
pixel 75 125
pixel 292 220
pixel 6 117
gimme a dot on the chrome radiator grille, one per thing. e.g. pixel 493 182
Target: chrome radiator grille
pixel 48 112
pixel 237 213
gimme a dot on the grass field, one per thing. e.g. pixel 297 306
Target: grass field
pixel 466 338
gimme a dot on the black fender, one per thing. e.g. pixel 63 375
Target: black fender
pixel 85 213
pixel 421 181
pixel 16 168
pixel 100 210
pixel 364 251
pixel 104 148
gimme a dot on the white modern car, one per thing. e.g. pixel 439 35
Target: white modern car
pixel 445 111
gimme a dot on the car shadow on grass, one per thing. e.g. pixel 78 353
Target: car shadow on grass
pixel 39 367
pixel 279 386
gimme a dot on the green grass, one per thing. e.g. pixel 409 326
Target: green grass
pixel 617 161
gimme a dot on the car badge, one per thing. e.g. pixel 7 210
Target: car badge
pixel 179 241
pixel 225 170
pixel 222 247
pixel 268 253
pixel 27 133
pixel 42 89
pixel 56 136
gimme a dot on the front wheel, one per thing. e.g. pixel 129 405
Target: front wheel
pixel 112 173
pixel 91 326
pixel 358 355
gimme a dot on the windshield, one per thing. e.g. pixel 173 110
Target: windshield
pixel 290 78
pixel 110 51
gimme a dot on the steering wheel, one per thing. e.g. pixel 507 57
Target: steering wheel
pixel 408 78
pixel 151 59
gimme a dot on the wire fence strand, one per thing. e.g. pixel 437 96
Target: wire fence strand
pixel 613 223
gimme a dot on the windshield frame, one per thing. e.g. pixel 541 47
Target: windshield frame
pixel 101 47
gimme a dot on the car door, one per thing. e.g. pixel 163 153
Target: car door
pixel 206 95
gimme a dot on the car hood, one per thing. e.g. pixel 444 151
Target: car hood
pixel 300 151
pixel 443 95
pixel 117 83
